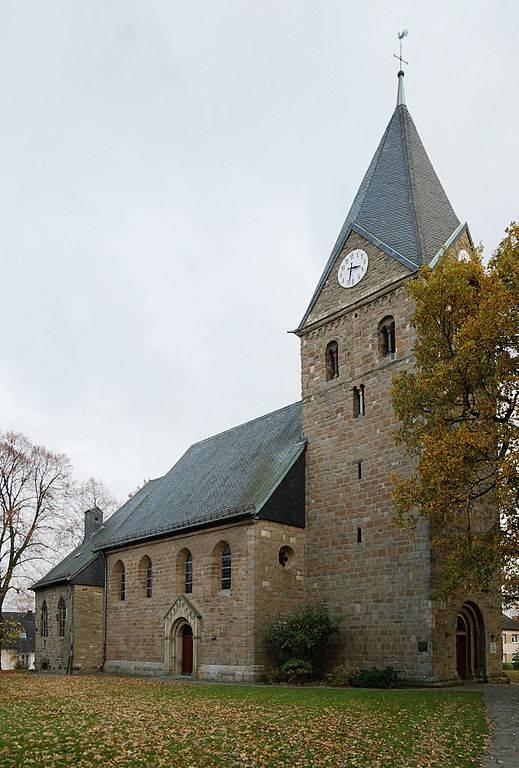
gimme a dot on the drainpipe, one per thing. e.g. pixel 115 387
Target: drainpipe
pixel 70 660
pixel 105 607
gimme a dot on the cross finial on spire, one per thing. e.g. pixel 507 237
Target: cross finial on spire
pixel 400 99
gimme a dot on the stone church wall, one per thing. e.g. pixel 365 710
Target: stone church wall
pixel 277 590
pixel 359 561
pixel 52 652
pixel 82 645
pixel 371 572
pixel 135 634
pixel 232 622
pixel 88 628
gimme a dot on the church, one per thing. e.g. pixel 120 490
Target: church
pixel 293 507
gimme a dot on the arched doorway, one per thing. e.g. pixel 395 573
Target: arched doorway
pixel 187 650
pixel 470 643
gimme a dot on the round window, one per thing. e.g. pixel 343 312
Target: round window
pixel 285 556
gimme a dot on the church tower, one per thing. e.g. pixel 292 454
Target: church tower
pixel 355 336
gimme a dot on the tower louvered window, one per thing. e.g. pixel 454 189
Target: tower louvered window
pixel 332 361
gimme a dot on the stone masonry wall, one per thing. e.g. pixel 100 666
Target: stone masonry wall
pixel 88 628
pixel 231 637
pixel 135 634
pixel 378 586
pixel 277 590
pixel 381 586
pixel 53 652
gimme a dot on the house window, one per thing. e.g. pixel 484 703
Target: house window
pixel 226 567
pixel 62 617
pixel 515 638
pixel 359 535
pixel 332 361
pixel 359 470
pixel 149 578
pixel 44 620
pixel 359 408
pixel 188 573
pixel 386 336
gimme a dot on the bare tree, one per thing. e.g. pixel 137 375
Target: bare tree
pixel 83 496
pixel 35 484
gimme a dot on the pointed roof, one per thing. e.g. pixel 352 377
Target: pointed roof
pixel 401 206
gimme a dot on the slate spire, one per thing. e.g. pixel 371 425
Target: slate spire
pixel 401 206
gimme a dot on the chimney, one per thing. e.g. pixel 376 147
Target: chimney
pixel 93 522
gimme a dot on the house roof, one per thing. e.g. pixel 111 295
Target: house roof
pixel 508 623
pixel 222 478
pixel 401 206
pixel 28 627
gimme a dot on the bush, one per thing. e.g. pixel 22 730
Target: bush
pixel 302 634
pixel 374 678
pixel 507 665
pixel 342 675
pixel 515 660
pixel 296 671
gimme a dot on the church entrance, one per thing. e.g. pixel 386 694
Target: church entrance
pixel 187 650
pixel 470 643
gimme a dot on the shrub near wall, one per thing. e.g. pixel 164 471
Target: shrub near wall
pixel 298 641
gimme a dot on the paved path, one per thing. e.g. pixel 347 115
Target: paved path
pixel 502 702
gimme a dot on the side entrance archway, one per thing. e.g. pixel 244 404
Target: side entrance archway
pixel 470 643
pixel 182 629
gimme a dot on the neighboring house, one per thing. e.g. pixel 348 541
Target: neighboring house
pixel 20 652
pixel 293 507
pixel 510 637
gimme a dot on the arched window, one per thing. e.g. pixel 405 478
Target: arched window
pixel 122 583
pixel 146 576
pixel 149 578
pixel 359 404
pixel 332 360
pixel 185 571
pixel 226 567
pixel 386 336
pixel 119 580
pixel 44 620
pixel 62 617
pixel 188 574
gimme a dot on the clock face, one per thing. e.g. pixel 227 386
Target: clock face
pixel 353 268
pixel 463 256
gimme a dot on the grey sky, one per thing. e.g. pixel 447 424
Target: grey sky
pixel 174 175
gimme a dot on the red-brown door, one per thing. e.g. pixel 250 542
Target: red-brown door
pixel 461 655
pixel 187 650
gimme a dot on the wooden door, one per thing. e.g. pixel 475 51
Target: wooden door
pixel 187 650
pixel 461 655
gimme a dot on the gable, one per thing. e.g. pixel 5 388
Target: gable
pixel 383 270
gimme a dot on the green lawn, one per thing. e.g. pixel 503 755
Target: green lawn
pixel 513 674
pixel 59 722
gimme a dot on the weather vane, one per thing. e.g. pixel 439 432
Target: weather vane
pixel 401 36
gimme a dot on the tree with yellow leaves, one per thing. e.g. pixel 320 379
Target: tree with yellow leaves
pixel 459 418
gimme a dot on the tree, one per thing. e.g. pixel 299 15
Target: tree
pixel 458 412
pixel 34 484
pixel 83 496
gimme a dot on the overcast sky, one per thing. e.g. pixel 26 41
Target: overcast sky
pixel 173 177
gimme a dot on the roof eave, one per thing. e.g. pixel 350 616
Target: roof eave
pixel 463 227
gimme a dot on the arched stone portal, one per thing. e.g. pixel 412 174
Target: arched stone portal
pixel 182 629
pixel 470 643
